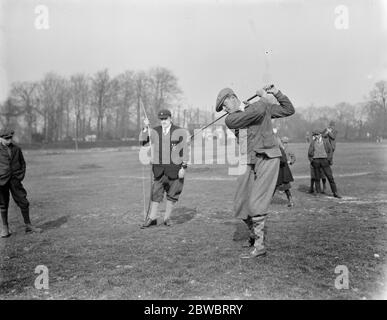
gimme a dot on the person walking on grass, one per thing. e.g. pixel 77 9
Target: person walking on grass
pixel 254 132
pixel 285 174
pixel 12 172
pixel 169 162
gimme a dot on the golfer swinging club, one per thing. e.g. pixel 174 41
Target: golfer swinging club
pixel 261 150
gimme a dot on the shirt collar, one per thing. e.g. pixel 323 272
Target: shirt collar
pixel 167 129
pixel 242 106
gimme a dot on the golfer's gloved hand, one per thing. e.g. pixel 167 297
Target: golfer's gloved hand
pixel 271 89
pixel 181 173
pixel 261 93
pixel 146 122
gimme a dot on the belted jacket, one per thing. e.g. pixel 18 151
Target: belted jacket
pixel 258 137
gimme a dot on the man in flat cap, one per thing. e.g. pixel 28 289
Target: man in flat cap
pixel 12 171
pixel 320 155
pixel 169 162
pixel 254 131
pixel 313 178
pixel 330 133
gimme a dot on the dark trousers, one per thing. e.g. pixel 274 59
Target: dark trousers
pixel 19 195
pixel 323 165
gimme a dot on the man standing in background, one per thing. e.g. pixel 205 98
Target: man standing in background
pixel 169 162
pixel 12 172
pixel 330 133
pixel 320 156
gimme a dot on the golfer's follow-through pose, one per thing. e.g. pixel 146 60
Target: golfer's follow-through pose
pixel 261 152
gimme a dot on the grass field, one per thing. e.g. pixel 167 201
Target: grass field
pixel 90 205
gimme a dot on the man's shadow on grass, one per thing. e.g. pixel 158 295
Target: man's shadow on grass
pixel 241 232
pixel 279 199
pixel 54 223
pixel 303 188
pixel 183 214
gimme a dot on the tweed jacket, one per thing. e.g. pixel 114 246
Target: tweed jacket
pixel 258 137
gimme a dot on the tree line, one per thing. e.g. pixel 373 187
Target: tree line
pixel 365 120
pixel 59 108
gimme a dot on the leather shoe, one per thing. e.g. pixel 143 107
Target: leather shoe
pixel 255 253
pixel 249 243
pixel 30 228
pixel 5 233
pixel 167 223
pixel 149 223
pixel 337 196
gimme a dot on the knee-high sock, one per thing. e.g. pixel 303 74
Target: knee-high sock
pixel 168 209
pixel 312 185
pixel 26 215
pixel 259 230
pixel 154 210
pixel 249 223
pixel 4 217
pixel 318 186
pixel 288 194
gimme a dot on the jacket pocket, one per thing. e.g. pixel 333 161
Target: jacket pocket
pixel 268 140
pixel 267 133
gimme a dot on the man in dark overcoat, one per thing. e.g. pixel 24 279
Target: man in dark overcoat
pixel 12 172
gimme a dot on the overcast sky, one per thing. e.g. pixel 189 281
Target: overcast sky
pixel 207 44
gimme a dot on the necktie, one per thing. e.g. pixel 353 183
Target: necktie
pixel 9 152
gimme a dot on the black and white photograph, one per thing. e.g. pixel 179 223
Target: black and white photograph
pixel 209 151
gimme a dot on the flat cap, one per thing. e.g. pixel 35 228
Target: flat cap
pixel 222 95
pixel 6 133
pixel 316 132
pixel 164 114
pixel 285 139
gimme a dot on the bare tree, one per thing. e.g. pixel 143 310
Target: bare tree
pixel 24 95
pixel 62 115
pixel 53 96
pixel 79 93
pixel 58 107
pixel 378 97
pixel 164 88
pixel 126 98
pixel 141 88
pixel 10 110
pixel 103 91
pixel 360 119
pixel 375 120
pixel 346 116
